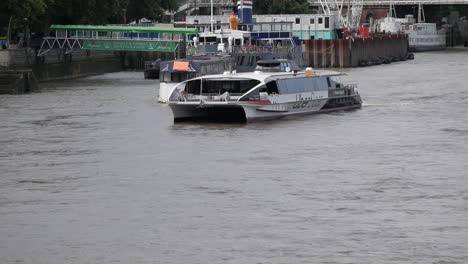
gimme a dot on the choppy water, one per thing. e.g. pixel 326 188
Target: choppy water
pixel 94 171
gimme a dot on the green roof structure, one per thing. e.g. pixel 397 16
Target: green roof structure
pixel 131 29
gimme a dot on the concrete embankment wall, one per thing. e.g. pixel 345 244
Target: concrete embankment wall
pixel 17 82
pixel 56 64
pixel 76 69
pixel 350 52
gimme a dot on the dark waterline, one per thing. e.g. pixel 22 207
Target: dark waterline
pixel 95 171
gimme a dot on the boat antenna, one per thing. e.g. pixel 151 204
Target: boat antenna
pixel 421 16
pixel 391 9
pixel 211 19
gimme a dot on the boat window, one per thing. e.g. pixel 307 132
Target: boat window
pixel 266 27
pixel 285 66
pixel 298 20
pixel 327 22
pixel 255 94
pixel 251 60
pixel 320 20
pixel 165 77
pixel 178 76
pixel 241 61
pixel 328 82
pixel 272 87
pixel 300 85
pixel 221 86
pixel 312 21
pixel 335 81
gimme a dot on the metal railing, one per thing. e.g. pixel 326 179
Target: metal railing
pixel 210 97
pixel 265 49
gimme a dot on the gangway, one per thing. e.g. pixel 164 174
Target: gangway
pixel 114 38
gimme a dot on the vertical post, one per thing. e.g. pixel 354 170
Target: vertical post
pixel 340 53
pixel 332 52
pixel 201 88
pixel 324 53
pixel 212 19
pixel 9 31
pixel 314 53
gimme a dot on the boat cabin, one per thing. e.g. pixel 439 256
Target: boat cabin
pixel 280 65
pixel 184 69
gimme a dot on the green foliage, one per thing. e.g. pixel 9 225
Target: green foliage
pixel 37 15
pixel 281 6
pixel 25 12
pixel 150 9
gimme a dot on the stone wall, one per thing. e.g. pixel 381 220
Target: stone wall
pixel 56 64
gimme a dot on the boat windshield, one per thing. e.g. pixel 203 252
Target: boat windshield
pixel 220 86
pixel 268 67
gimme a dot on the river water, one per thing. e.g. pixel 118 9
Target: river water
pixel 94 171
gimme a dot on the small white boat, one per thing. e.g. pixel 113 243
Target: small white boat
pixel 275 90
pixel 421 36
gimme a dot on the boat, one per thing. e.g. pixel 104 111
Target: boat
pixel 276 89
pixel 421 36
pixel 152 69
pixel 176 71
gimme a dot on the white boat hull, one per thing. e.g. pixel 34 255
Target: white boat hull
pixel 426 42
pixel 165 91
pixel 250 112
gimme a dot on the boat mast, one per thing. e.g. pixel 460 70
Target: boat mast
pixel 421 16
pixel 211 19
pixel 391 10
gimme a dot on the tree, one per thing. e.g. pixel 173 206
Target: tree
pixel 25 13
pixel 150 9
pixel 281 6
pixel 38 15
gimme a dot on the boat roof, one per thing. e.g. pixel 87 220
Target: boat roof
pixel 193 64
pixel 265 76
pixel 274 61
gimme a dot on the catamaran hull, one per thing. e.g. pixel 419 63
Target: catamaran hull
pixel 251 112
pixel 194 112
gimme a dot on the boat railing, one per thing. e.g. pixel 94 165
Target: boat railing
pixel 210 97
pixel 347 89
pixel 264 49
